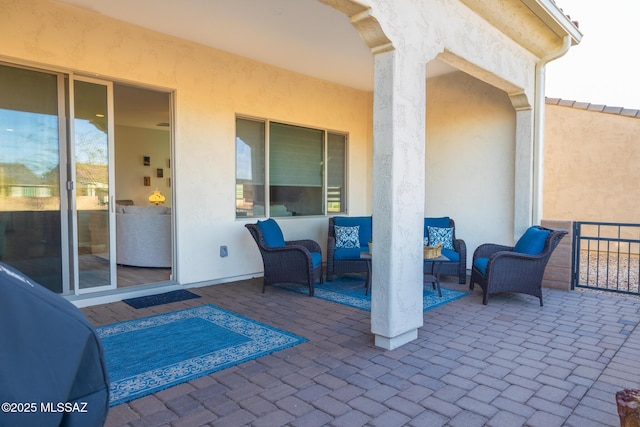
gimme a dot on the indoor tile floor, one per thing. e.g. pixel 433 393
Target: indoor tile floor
pixel 510 363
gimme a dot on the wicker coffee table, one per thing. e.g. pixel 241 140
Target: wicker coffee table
pixel 366 256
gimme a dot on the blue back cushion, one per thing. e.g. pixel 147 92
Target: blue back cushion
pixel 364 222
pixel 532 241
pixel 271 233
pixel 442 222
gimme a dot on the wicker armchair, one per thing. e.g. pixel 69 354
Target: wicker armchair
pixel 297 261
pixel 458 269
pixel 498 268
pixel 336 267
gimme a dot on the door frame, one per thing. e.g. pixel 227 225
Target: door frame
pixel 113 277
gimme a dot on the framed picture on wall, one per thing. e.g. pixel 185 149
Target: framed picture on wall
pixel 159 172
pixel 147 181
pixel 146 160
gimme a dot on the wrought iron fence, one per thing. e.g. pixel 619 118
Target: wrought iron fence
pixel 606 256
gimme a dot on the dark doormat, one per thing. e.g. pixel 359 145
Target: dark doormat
pixel 167 297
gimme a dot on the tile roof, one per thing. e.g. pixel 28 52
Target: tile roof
pixel 576 23
pixel 600 108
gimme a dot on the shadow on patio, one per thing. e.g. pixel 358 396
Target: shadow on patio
pixel 510 363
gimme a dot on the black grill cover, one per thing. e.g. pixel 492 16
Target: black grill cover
pixel 52 367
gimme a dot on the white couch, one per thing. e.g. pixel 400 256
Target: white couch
pixel 143 236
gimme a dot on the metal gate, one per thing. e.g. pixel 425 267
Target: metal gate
pixel 606 256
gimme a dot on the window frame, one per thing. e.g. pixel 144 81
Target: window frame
pixel 266 179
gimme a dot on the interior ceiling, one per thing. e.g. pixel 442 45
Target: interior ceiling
pixel 138 107
pixel 304 36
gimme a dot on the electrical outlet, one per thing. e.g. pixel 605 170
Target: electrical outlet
pixel 224 251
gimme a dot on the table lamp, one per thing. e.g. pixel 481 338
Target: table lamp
pixel 156 197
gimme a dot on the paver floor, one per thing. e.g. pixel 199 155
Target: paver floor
pixel 510 363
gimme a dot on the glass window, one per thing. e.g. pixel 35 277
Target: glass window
pixel 250 164
pixel 336 162
pixel 296 173
pixel 295 170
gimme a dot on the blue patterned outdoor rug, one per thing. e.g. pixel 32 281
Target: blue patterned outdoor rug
pixel 153 353
pixel 349 290
pixel 165 298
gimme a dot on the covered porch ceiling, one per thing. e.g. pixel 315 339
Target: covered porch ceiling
pixel 304 36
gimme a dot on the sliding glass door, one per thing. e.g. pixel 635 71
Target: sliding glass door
pixel 60 188
pixel 92 161
pixel 39 170
pixel 31 142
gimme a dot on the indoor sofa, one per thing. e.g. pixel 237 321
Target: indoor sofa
pixel 143 236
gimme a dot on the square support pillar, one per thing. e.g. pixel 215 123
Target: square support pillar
pixel 523 186
pixel 398 198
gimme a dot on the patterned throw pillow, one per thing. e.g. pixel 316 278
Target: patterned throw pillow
pixel 441 235
pixel 347 237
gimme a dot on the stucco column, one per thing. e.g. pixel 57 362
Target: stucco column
pixel 399 104
pixel 523 173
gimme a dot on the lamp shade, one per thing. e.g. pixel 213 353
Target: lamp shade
pixel 156 197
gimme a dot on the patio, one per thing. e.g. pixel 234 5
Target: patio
pixel 510 363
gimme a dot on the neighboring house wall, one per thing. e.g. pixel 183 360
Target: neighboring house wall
pixel 469 158
pixel 591 164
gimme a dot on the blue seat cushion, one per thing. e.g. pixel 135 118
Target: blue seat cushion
pixel 451 254
pixel 481 265
pixel 532 241
pixel 271 233
pixel 363 222
pixel 316 259
pixel 354 253
pixel 349 253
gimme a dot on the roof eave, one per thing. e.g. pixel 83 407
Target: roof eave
pixel 555 19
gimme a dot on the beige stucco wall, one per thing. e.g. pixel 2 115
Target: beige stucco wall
pixel 210 88
pixel 591 168
pixel 470 158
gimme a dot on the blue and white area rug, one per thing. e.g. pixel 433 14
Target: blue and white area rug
pixel 349 290
pixel 153 353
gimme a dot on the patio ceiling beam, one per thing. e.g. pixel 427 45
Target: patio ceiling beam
pixel 364 22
